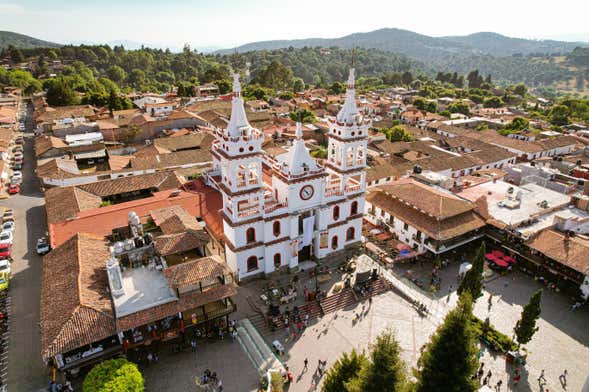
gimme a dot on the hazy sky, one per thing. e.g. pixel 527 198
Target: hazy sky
pixel 228 23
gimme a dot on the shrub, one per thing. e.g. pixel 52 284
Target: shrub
pixel 115 375
pixel 488 334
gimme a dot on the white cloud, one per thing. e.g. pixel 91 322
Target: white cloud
pixel 11 9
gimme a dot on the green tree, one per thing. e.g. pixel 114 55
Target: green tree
pixel 60 92
pixel 298 85
pixel 336 88
pixel 449 360
pixel 493 102
pixel 559 115
pixel 224 85
pixel 15 54
pixel 472 281
pixel 520 89
pixel 398 134
pixel 275 76
pixel 304 116
pixel 342 371
pixel 517 124
pixel 137 78
pixel 459 107
pixel 526 327
pixel 385 372
pixel 114 375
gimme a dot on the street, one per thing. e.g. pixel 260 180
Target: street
pixel 26 371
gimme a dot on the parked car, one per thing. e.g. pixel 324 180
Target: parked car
pixel 5 251
pixel 5 266
pixel 13 189
pixel 18 155
pixel 43 246
pixel 4 281
pixel 20 140
pixel 8 215
pixel 19 160
pixel 6 237
pixel 15 180
pixel 17 175
pixel 17 148
pixel 17 166
pixel 8 226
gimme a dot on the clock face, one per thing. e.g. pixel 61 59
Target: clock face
pixel 307 192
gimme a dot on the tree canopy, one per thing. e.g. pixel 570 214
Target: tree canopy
pixel 472 281
pixel 449 360
pixel 526 327
pixel 385 371
pixel 342 371
pixel 114 375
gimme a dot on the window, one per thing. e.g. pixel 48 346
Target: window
pixel 350 234
pixel 391 220
pixel 276 228
pixel 405 227
pixel 334 242
pixel 336 213
pixel 382 212
pixel 354 208
pixel 250 235
pixel 277 260
pixel 252 263
pixel 418 235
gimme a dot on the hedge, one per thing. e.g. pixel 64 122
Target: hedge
pixel 490 336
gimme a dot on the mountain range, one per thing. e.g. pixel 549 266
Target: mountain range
pixel 422 47
pixel 17 40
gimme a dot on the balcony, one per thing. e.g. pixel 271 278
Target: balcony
pixel 330 192
pixel 248 212
pixel 353 188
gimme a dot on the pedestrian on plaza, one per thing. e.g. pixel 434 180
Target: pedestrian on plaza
pixel 193 345
pixel 306 320
pixel 220 386
pixel 480 374
pixel 541 377
pixel 294 334
pixel 498 385
pixel 563 378
pixel 306 364
pixel 488 376
pixel 306 293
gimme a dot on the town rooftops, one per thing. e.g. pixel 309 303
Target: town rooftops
pixel 45 143
pixel 101 221
pixel 439 215
pixel 191 141
pixel 195 271
pixel 76 308
pixel 435 202
pixel 174 159
pixel 143 288
pixel 571 251
pixel 513 205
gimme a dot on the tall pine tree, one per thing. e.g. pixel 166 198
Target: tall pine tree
pixel 472 282
pixel 526 327
pixel 342 371
pixel 385 372
pixel 449 360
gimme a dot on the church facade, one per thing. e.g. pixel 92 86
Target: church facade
pixel 278 212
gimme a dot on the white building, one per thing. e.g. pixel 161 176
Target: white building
pixel 280 211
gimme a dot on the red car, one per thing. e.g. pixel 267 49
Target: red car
pixel 5 251
pixel 13 189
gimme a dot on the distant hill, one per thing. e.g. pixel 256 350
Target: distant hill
pixel 22 41
pixel 425 48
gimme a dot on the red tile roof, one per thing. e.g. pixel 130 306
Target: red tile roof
pixel 101 221
pixel 195 271
pixel 211 205
pixel 76 308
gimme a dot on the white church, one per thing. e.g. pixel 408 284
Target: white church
pixel 278 212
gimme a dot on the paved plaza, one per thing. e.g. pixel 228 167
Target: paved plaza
pixel 177 371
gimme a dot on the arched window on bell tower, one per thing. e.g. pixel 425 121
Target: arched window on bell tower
pixel 253 173
pixel 250 235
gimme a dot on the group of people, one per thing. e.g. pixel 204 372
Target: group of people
pixel 294 322
pixel 58 387
pixel 210 378
pixel 485 379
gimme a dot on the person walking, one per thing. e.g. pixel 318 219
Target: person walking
pixel 498 385
pixel 193 345
pixel 542 377
pixel 306 364
pixel 563 378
